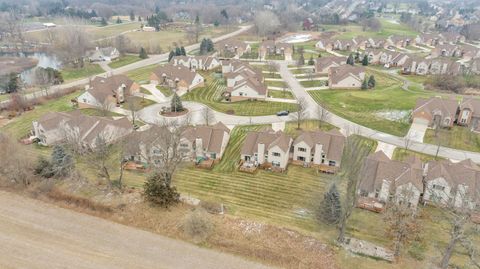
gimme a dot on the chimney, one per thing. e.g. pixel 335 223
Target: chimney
pixel 198 147
pixel 261 153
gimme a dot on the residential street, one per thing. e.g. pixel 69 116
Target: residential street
pixel 34 235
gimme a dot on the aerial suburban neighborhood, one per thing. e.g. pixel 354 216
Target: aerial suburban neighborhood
pixel 226 134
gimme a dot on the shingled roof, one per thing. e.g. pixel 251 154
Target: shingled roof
pixel 448 107
pixel 267 137
pixel 212 136
pixel 178 72
pixel 333 142
pixel 101 88
pixel 339 73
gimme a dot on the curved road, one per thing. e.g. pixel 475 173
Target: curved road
pixel 34 235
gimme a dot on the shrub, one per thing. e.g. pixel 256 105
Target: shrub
pixel 198 225
pixel 212 207
pixel 158 192
pixel 417 250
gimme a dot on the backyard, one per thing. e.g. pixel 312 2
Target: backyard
pixel 211 95
pixel 88 70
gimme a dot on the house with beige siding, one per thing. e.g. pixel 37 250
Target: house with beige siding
pixel 180 78
pixel 232 48
pixel 346 77
pixel 383 178
pixel 243 81
pixel 469 113
pixel 75 127
pixel 323 64
pixel 107 92
pixel 319 148
pixel 436 110
pixel 266 148
pixel 271 48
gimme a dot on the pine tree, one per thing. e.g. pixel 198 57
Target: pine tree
pixel 210 46
pixel 176 103
pixel 157 191
pixel 357 56
pixel 371 82
pixel 350 60
pixel 139 18
pixel 311 61
pixel 104 22
pixel 319 55
pixel 143 53
pixel 301 60
pixel 171 55
pixel 364 84
pixel 61 161
pixel 178 51
pixel 119 20
pixel 12 85
pixel 183 51
pixel 203 47
pixel 330 209
pixel 365 60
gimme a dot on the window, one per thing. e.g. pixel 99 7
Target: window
pixel 302 149
pixel 332 163
pixel 438 187
pixel 276 154
pixel 300 158
pixel 277 164
pixel 184 145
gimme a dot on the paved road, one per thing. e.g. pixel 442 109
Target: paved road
pixel 348 126
pixel 34 235
pixel 154 59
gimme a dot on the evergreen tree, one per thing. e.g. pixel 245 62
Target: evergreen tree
pixel 350 60
pixel 364 84
pixel 203 47
pixel 61 161
pixel 157 191
pixel 119 20
pixel 12 85
pixel 139 18
pixel 371 82
pixel 301 60
pixel 178 51
pixel 330 209
pixel 197 19
pixel 365 60
pixel 132 15
pixel 319 55
pixel 157 10
pixel 357 56
pixel 143 53
pixel 311 61
pixel 183 51
pixel 210 46
pixel 171 55
pixel 176 103
pixel 104 22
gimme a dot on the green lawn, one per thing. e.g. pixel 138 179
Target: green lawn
pixel 313 83
pixel 457 137
pixel 141 102
pixel 98 112
pixel 164 90
pixel 124 60
pixel 4 97
pixel 301 70
pixel 89 70
pixel 141 74
pixel 279 84
pixel 211 95
pixel 402 154
pixel 361 106
pixel 281 94
pixel 20 126
pixel 271 75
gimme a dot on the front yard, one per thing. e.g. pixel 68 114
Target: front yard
pixel 313 83
pixel 124 60
pixel 211 95
pixel 457 137
pixel 281 94
pixel 88 70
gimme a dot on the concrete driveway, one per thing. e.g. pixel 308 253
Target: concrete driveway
pixel 417 130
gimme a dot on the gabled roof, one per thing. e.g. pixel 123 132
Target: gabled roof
pixel 211 136
pixel 473 104
pixel 338 74
pixel 267 137
pixel 322 62
pixel 178 72
pixel 448 107
pixel 100 88
pixel 332 142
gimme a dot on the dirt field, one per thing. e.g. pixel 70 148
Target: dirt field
pixel 34 234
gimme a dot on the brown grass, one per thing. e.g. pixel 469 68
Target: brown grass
pixel 74 201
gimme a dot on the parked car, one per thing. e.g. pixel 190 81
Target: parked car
pixel 283 113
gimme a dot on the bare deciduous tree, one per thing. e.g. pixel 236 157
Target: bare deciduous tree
pixel 15 165
pixel 301 113
pixel 351 171
pixel 323 115
pixel 208 115
pixel 134 105
pixel 267 23
pixel 71 45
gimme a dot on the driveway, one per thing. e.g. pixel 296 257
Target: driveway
pixel 35 235
pixel 386 148
pixel 417 130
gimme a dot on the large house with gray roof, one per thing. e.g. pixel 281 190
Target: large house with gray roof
pixel 58 127
pixel 178 77
pixel 243 81
pixel 319 148
pixel 105 92
pixel 323 64
pixel 346 77
pixel 266 148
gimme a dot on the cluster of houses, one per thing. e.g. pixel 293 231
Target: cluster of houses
pixel 243 81
pixel 443 112
pixel 340 74
pixel 448 52
pixel 410 181
pixel 275 150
